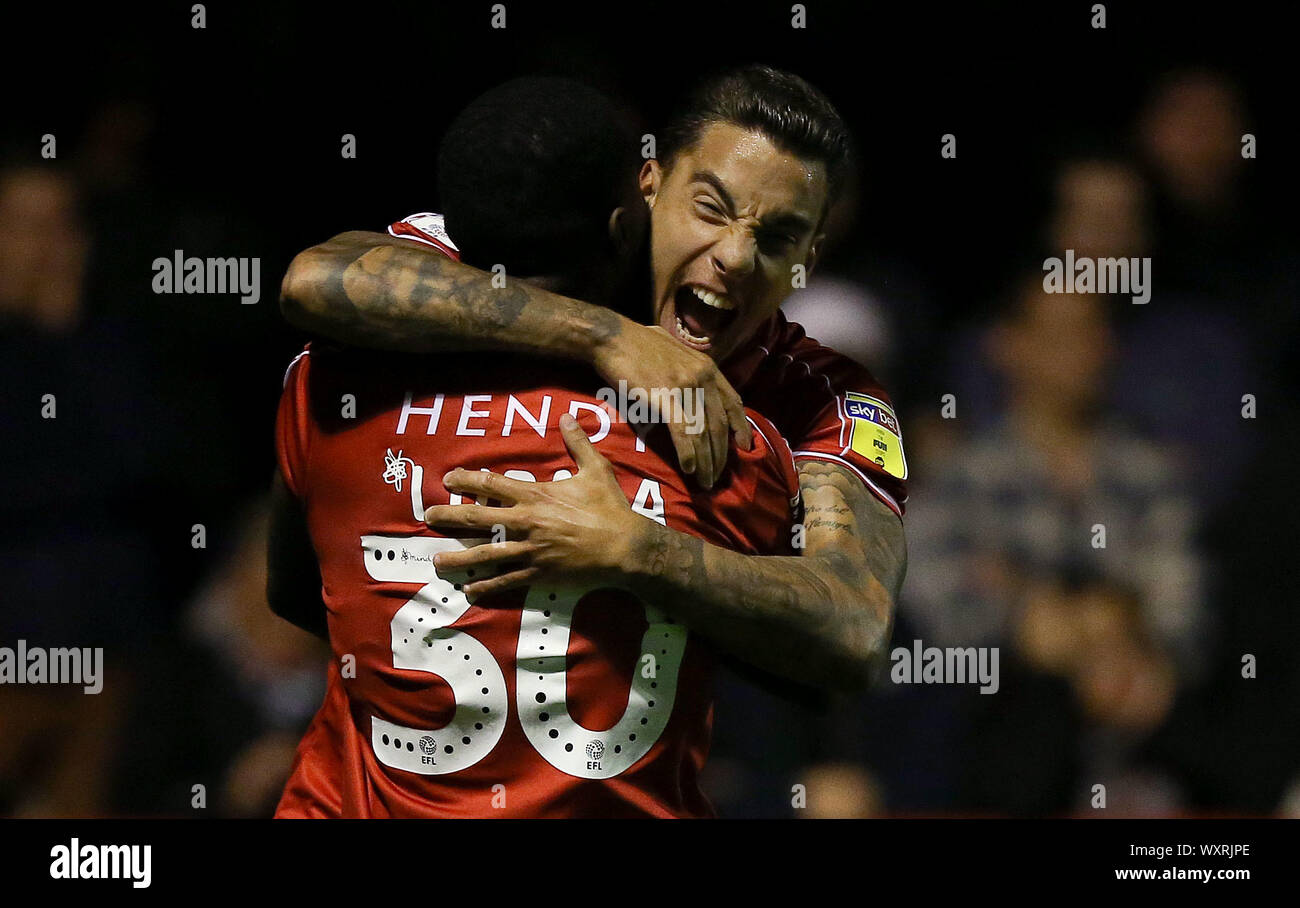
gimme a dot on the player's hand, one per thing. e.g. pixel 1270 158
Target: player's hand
pixel 650 358
pixel 581 529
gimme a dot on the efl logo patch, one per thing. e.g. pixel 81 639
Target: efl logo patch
pixel 876 435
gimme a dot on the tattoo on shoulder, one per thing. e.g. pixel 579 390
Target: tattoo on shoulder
pixel 845 520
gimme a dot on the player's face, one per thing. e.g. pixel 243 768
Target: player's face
pixel 730 220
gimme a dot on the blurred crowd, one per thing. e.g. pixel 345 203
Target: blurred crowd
pixel 1159 663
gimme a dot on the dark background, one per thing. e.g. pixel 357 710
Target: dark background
pixel 225 141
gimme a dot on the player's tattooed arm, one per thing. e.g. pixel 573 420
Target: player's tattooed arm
pixel 371 290
pixel 824 617
pixel 821 618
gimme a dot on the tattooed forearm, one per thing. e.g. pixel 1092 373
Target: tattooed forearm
pixel 821 618
pixel 369 289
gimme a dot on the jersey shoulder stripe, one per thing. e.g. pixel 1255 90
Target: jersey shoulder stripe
pixel 426 227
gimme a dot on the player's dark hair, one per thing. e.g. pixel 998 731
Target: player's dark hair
pixel 529 172
pixel 783 107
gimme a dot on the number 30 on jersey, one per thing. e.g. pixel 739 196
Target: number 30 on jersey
pixel 424 640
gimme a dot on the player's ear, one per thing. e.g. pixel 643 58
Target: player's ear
pixel 620 232
pixel 814 254
pixel 649 180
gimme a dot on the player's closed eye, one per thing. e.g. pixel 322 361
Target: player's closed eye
pixel 709 211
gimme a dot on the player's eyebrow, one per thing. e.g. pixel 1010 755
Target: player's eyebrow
pixel 785 220
pixel 704 176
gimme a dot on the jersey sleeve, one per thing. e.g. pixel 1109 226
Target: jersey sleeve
pixel 427 228
pixel 292 425
pixel 858 429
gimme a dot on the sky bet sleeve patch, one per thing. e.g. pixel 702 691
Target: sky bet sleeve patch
pixel 875 433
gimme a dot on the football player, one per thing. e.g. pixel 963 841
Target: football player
pixel 738 199
pixel 566 699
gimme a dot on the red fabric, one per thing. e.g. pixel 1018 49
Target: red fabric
pixel 803 387
pixel 337 464
pixel 402 229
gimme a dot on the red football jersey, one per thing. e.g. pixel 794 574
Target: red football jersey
pixel 828 406
pixel 549 702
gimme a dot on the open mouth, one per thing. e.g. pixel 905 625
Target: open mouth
pixel 702 315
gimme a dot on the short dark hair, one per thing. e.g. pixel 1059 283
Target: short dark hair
pixel 529 172
pixel 783 107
